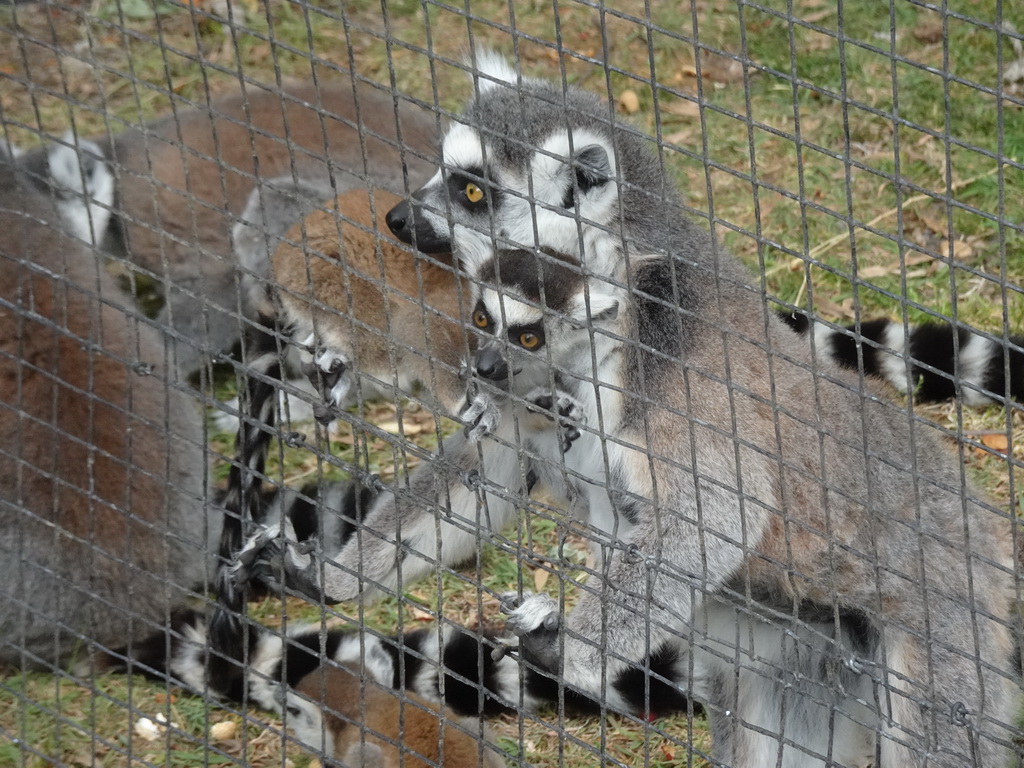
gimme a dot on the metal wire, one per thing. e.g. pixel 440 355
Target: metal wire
pixel 743 570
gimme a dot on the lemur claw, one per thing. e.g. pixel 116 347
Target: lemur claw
pixel 481 417
pixel 278 563
pixel 565 410
pixel 537 622
pixel 244 569
pixel 328 373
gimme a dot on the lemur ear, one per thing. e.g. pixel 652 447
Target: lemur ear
pixel 603 308
pixel 493 70
pixel 592 167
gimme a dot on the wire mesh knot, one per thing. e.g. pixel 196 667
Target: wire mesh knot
pixel 142 368
pixel 294 439
pixel 633 554
pixel 958 714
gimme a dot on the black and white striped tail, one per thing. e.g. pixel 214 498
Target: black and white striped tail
pixel 475 681
pixel 945 362
pixel 243 500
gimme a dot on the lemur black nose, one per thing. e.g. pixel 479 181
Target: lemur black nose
pixel 398 220
pixel 491 365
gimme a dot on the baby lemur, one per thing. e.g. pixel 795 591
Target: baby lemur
pixel 355 719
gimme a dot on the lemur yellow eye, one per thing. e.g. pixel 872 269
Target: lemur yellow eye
pixel 473 193
pixel 480 319
pixel 528 340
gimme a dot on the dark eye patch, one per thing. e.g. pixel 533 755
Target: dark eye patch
pixel 459 179
pixel 516 332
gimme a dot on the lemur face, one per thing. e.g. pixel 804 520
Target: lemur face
pixel 526 166
pixel 534 317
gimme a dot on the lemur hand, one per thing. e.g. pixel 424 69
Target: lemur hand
pixel 537 623
pixel 565 410
pixel 277 562
pixel 330 374
pixel 481 417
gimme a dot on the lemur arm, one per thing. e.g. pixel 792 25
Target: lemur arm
pixel 682 550
pixel 438 516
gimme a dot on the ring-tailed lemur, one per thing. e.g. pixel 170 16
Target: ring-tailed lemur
pixel 530 163
pixel 104 522
pixel 183 180
pixel 744 492
pixel 74 172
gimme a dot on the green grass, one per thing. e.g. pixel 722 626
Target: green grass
pixel 762 134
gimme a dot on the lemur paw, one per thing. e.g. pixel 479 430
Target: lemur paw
pixel 277 562
pixel 565 410
pixel 330 374
pixel 481 417
pixel 536 621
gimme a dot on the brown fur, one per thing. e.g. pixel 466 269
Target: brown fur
pixel 332 269
pixel 177 204
pixel 404 729
pixel 102 520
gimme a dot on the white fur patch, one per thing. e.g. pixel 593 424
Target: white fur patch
pixel 823 340
pixel 86 186
pixel 508 312
pixel 494 70
pixel 462 148
pixel 366 652
pixel 600 303
pixel 893 363
pixel 532 612
pixel 975 356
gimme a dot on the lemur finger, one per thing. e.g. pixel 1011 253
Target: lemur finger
pixel 509 601
pixel 245 561
pixel 537 623
pixel 481 416
pixel 324 413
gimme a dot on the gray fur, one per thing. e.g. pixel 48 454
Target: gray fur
pixel 803 489
pixel 104 523
pixel 273 208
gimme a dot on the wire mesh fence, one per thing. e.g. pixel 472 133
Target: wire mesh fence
pixel 571 384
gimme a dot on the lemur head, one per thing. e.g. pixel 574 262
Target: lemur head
pixel 536 312
pixel 532 164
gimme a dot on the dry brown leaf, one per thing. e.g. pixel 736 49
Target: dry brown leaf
pixel 681 108
pixel 540 578
pixel 929 32
pixel 419 614
pixel 720 69
pixel 936 224
pixel 824 13
pixel 679 137
pixel 869 273
pixel 997 442
pixel 629 102
pixel 918 258
pixel 405 427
